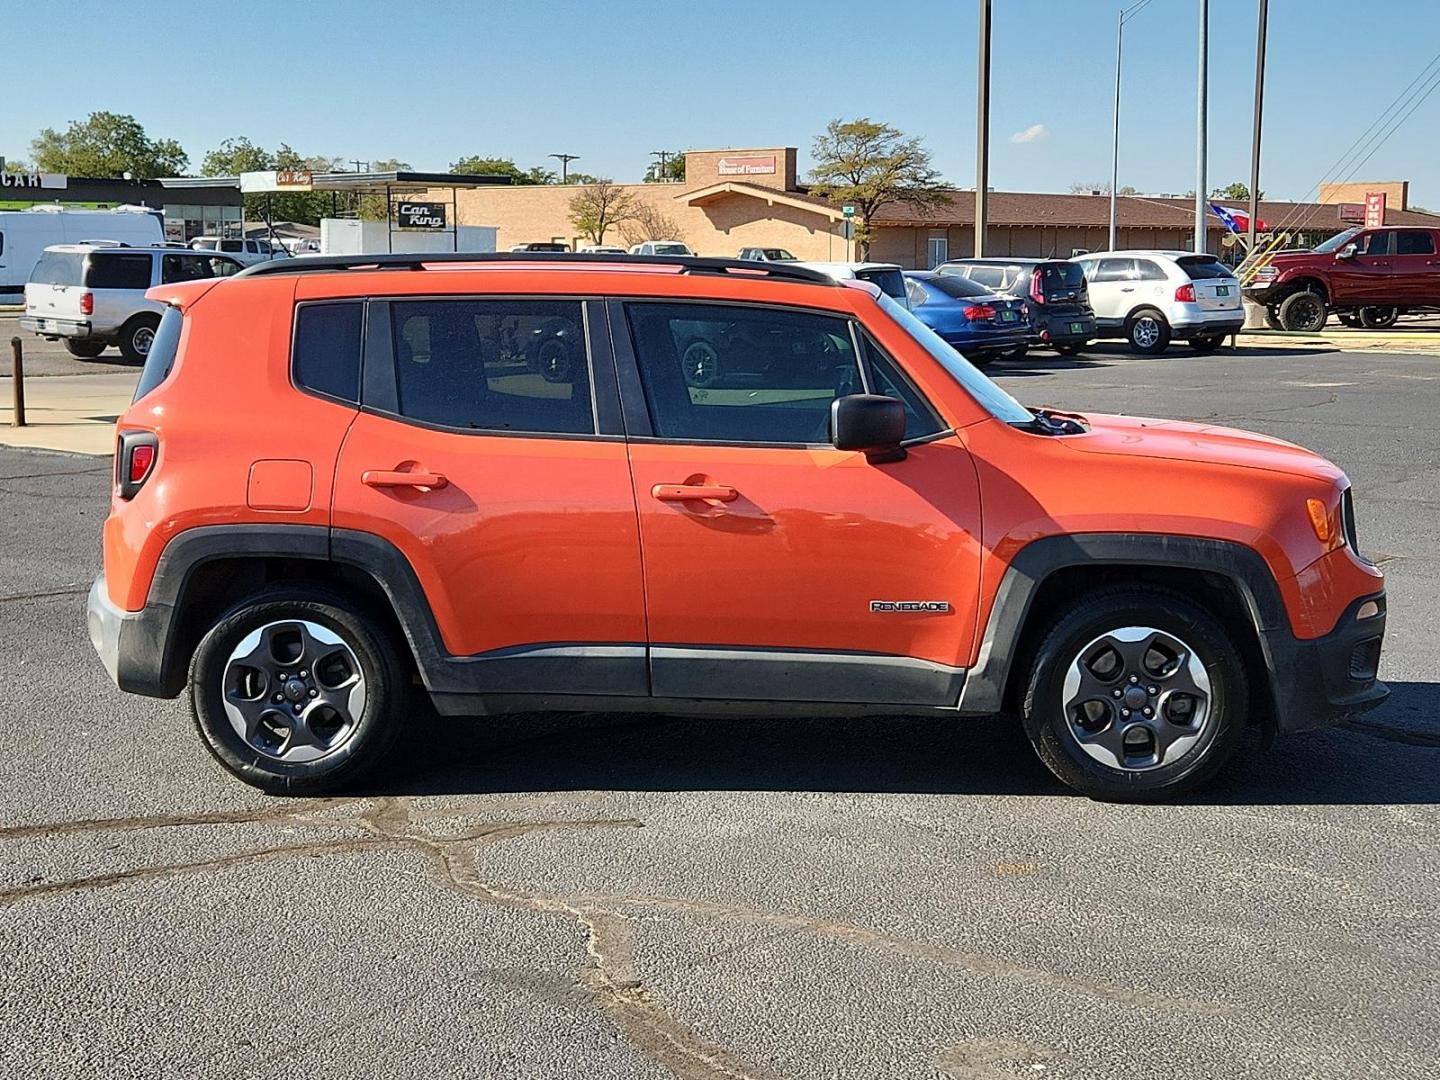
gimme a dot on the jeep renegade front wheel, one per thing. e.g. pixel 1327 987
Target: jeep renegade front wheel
pixel 296 693
pixel 1135 695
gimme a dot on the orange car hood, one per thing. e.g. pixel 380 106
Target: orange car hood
pixel 1140 436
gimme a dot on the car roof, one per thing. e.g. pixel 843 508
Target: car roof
pixel 990 260
pixel 1148 252
pixel 84 248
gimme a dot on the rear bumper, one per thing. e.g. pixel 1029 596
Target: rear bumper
pixel 70 328
pixel 1222 322
pixel 990 343
pixel 1059 330
pixel 129 643
pixel 1325 680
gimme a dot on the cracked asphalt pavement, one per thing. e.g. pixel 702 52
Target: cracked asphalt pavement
pixel 624 896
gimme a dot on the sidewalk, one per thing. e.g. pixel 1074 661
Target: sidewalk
pixel 1348 339
pixel 75 413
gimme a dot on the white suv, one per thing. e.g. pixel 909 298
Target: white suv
pixel 247 252
pixel 1148 297
pixel 93 295
pixel 661 247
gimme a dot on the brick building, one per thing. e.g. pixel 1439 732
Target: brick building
pixel 738 198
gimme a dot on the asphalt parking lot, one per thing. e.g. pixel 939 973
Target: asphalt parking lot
pixel 618 896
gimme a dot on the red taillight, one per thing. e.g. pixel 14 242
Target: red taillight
pixel 135 454
pixel 979 311
pixel 1037 290
pixel 87 303
pixel 1185 294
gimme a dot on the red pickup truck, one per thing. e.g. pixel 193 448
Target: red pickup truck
pixel 1368 277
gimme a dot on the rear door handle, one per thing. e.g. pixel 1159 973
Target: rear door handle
pixel 687 492
pixel 1128 288
pixel 383 478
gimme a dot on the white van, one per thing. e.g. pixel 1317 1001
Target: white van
pixel 25 234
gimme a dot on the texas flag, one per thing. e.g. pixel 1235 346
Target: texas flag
pixel 1235 219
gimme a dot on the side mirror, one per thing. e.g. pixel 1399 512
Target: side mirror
pixel 1347 252
pixel 871 423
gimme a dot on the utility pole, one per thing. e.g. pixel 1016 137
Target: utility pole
pixel 1255 135
pixel 1115 131
pixel 982 134
pixel 565 160
pixel 1202 92
pixel 664 156
pixel 358 165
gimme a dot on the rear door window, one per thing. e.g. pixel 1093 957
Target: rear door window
pixel 1414 242
pixel 1149 270
pixel 114 270
pixel 1115 270
pixel 496 365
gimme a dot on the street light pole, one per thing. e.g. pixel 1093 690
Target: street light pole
pixel 565 160
pixel 982 134
pixel 1115 130
pixel 1255 135
pixel 1202 92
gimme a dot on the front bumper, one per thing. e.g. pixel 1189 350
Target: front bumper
pixel 69 328
pixel 1322 681
pixel 129 644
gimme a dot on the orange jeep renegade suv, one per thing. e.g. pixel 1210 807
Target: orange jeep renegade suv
pixel 573 482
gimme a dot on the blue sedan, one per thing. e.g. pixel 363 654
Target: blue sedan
pixel 979 324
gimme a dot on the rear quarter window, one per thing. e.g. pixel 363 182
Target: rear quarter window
pixel 114 270
pixel 326 357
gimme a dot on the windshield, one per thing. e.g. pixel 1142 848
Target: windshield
pixel 999 404
pixel 671 249
pixel 1335 243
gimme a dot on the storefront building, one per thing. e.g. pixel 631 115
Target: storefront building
pixel 736 198
pixel 189 211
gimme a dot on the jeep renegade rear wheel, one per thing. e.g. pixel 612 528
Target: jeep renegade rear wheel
pixel 1135 695
pixel 296 693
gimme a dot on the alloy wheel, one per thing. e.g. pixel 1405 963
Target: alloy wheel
pixel 293 690
pixel 1137 698
pixel 142 339
pixel 701 363
pixel 1146 332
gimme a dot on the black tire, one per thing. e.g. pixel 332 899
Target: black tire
pixel 1017 353
pixel 700 360
pixel 1207 343
pixel 1147 331
pixel 1303 312
pixel 1087 622
pixel 1348 318
pixel 554 360
pixel 1379 318
pixel 84 348
pixel 1272 318
pixel 363 746
pixel 136 337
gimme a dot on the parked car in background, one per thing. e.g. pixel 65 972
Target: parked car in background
pixel 764 254
pixel 889 278
pixel 1366 276
pixel 1056 299
pixel 661 247
pixel 980 323
pixel 25 234
pixel 245 252
pixel 542 245
pixel 1150 297
pixel 93 295
pixel 603 249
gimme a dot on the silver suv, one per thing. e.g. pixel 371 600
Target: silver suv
pixel 93 295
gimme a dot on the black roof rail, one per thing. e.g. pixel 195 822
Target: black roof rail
pixel 688 264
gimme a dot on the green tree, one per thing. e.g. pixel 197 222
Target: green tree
pixel 14 167
pixel 598 207
pixel 234 156
pixel 1237 190
pixel 1102 186
pixel 870 166
pixel 504 167
pixel 107 144
pixel 674 169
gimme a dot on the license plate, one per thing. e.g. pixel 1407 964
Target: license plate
pixel 1077 328
pixel 1222 290
pixel 1008 316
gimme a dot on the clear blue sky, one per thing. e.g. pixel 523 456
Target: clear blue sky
pixel 427 81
